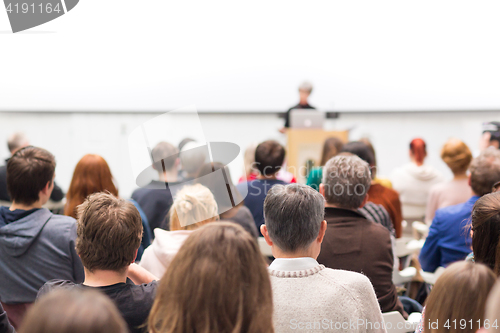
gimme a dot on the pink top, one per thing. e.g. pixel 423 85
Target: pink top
pixel 447 194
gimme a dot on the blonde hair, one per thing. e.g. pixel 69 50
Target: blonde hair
pixel 456 155
pixel 194 206
pixel 249 160
pixel 217 283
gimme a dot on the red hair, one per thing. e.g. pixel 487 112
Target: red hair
pixel 417 148
pixel 92 174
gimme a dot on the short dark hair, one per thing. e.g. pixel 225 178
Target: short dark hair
pixel 109 232
pixel 164 156
pixel 360 149
pixel 269 157
pixel 293 215
pixel 485 171
pixel 28 172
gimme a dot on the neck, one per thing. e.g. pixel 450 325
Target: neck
pixel 21 206
pixel 305 253
pixel 270 177
pixel 459 176
pixel 168 176
pixel 101 278
pixel 303 102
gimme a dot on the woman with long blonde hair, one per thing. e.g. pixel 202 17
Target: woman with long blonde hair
pixel 218 282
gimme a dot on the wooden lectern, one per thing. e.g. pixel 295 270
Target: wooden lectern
pixel 307 144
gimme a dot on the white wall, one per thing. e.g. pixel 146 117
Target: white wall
pixel 69 136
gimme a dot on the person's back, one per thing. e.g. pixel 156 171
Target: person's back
pixel 414 180
pixel 352 242
pixel 449 237
pixel 323 298
pixel 108 236
pixel 156 198
pixel 35 245
pixel 306 295
pixel 269 158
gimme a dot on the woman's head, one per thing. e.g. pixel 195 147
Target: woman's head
pixel 331 148
pixel 73 311
pixel 418 151
pixel 249 160
pixel 459 293
pixel 217 282
pixel 486 231
pixel 216 177
pixel 91 175
pixel 194 206
pixel 456 155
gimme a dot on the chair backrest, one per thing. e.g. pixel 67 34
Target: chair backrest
pixel 395 323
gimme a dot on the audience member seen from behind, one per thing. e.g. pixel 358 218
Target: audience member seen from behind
pixel 331 147
pixel 486 231
pixel 5 326
pixel 294 229
pixel 74 311
pixel 92 174
pixel 352 242
pixel 193 207
pixel 35 245
pixel 491 135
pixel 378 194
pixel 15 142
pixel 414 180
pixel 269 158
pixel 449 238
pixel 218 282
pixel 457 300
pixel 217 178
pixel 193 156
pixel 305 90
pixel 109 235
pixel 457 157
pixel 156 198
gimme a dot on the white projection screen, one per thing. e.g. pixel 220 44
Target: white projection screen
pixel 244 56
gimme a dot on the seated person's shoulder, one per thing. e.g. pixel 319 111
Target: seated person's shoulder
pixel 59 221
pixel 55 284
pixel 347 279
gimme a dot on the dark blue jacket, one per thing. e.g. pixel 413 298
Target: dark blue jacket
pixel 449 237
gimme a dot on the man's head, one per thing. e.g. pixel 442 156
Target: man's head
pixel 30 175
pixel 17 141
pixel 269 157
pixel 294 216
pixel 193 156
pixel 109 232
pixel 164 157
pixel 346 180
pixel 485 171
pixel 305 90
pixel 492 132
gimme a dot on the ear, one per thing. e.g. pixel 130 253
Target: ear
pixel 322 189
pixel 365 200
pixel 135 256
pixel 46 189
pixel 322 231
pixel 265 233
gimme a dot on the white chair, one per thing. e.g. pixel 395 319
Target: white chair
pixel 395 323
pixel 265 249
pixel 420 228
pixel 404 276
pixel 431 278
pixel 405 247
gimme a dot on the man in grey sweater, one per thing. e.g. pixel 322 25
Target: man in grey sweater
pixel 306 295
pixel 35 245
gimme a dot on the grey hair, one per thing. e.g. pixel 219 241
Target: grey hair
pixel 293 215
pixel 306 86
pixel 16 141
pixel 485 171
pixel 346 180
pixel 164 156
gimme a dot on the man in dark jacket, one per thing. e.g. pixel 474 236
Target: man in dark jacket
pixel 352 242
pixel 35 245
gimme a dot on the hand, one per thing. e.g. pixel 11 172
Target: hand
pixel 283 130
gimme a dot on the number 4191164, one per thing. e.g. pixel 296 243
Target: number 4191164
pixel 26 8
